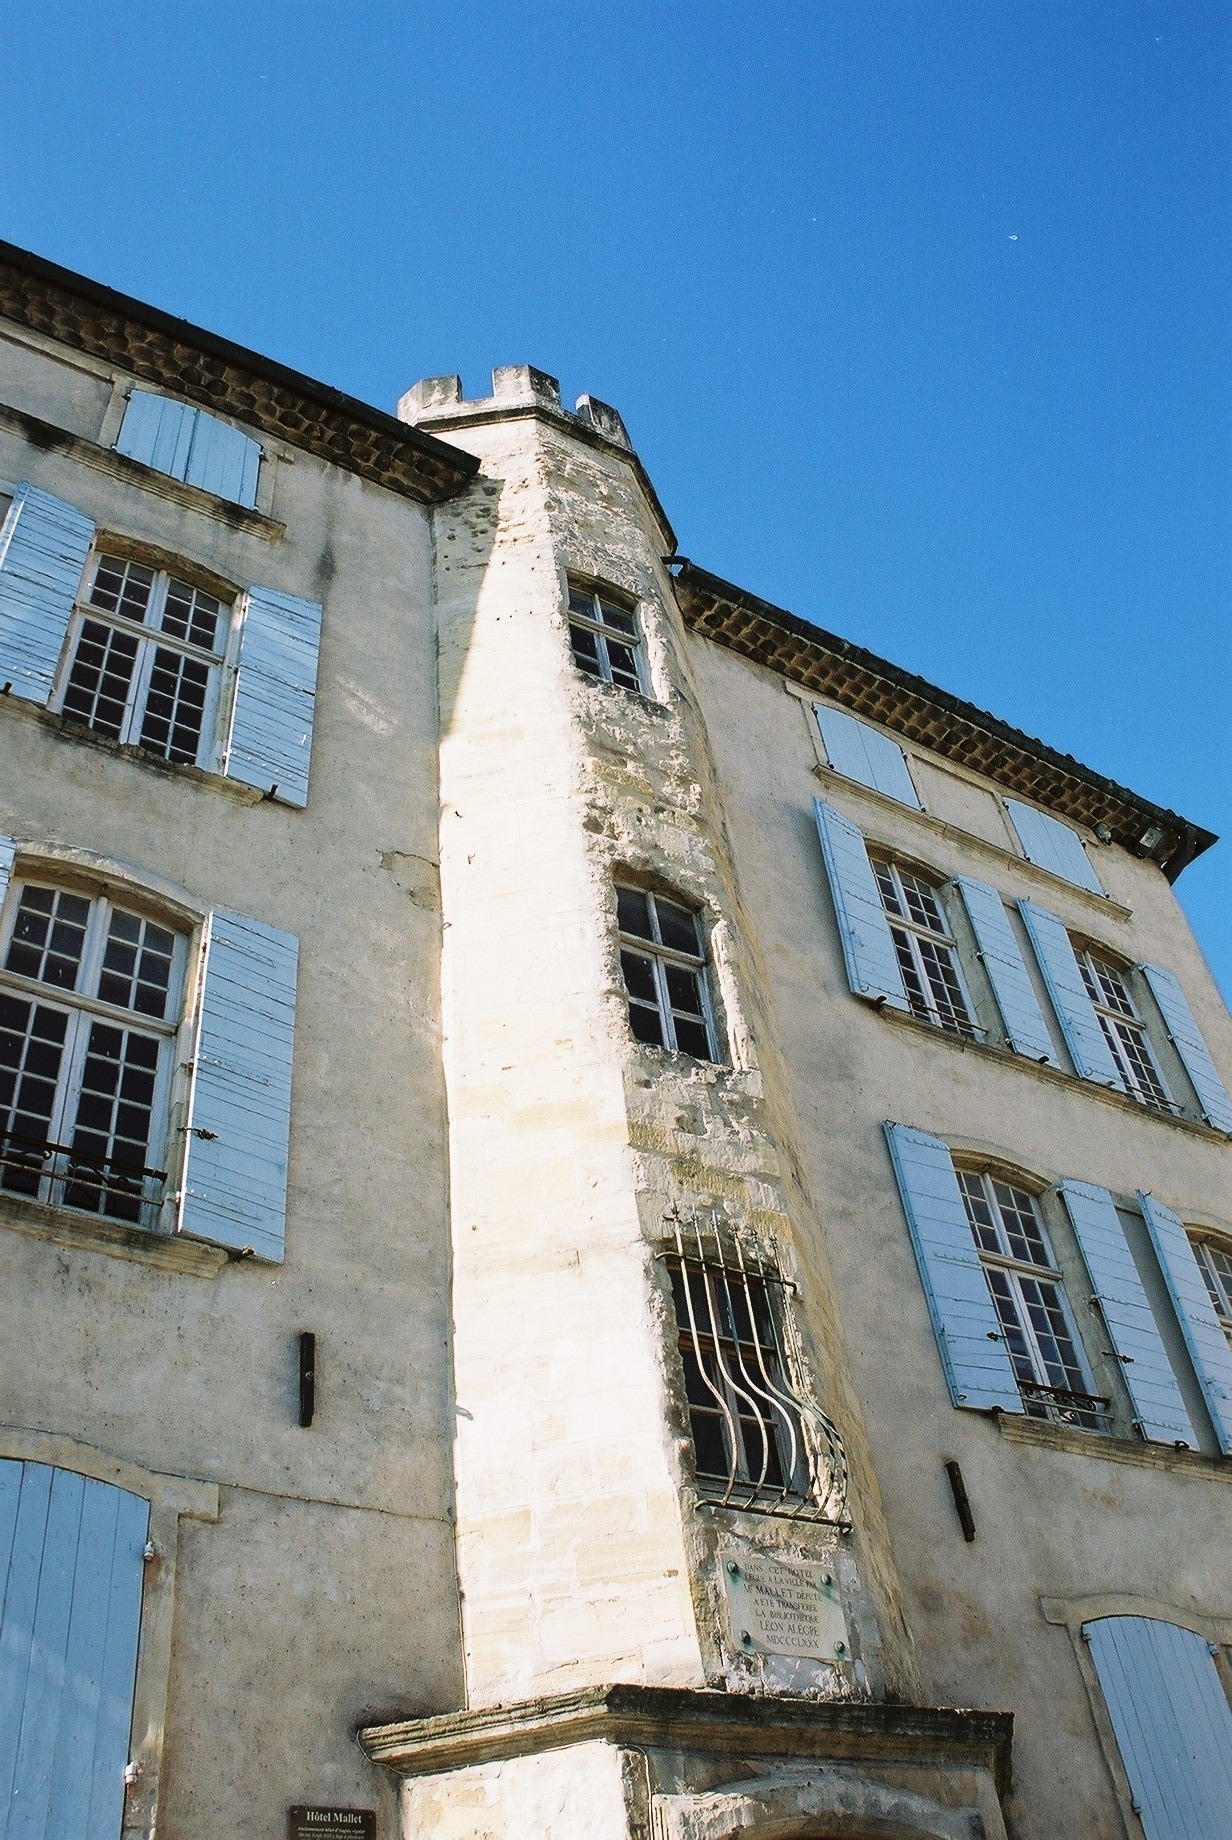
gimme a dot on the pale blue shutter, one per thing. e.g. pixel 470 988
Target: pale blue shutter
pixel 235 1172
pixel 275 695
pixel 1172 1723
pixel 1187 1040
pixel 868 950
pixel 1158 1406
pixel 159 431
pixel 1204 1337
pixel 865 755
pixel 1090 1053
pixel 44 549
pixel 1007 972
pixel 192 445
pixel 223 460
pixel 71 1567
pixel 973 1352
pixel 1053 845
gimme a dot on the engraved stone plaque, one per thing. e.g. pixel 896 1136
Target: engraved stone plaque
pixel 780 1609
pixel 331 1823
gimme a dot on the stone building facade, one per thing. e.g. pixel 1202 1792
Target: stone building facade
pixel 714 1320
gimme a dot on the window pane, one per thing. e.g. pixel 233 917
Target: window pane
pixel 100 678
pixel 979 1212
pixel 581 602
pixel 191 614
pixel 691 1038
pixel 887 889
pixel 112 1130
pixel 122 587
pixel 48 936
pixel 639 977
pixel 632 913
pixel 684 990
pixel 1023 1234
pixel 175 706
pixel 31 1049
pixel 586 649
pixel 137 965
pixel 622 664
pixel 677 927
pixel 647 1025
pixel 617 617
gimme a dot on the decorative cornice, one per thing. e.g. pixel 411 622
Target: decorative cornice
pixel 203 368
pixel 920 712
pixel 674 1718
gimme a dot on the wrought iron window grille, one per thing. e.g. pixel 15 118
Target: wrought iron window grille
pixel 759 1444
pixel 68 1175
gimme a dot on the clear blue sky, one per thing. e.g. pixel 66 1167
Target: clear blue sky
pixel 918 313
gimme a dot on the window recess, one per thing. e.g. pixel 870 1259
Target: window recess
pixel 606 641
pixel 925 950
pixel 90 997
pixel 664 970
pixel 144 660
pixel 1028 1294
pixel 759 1445
pixel 1123 1031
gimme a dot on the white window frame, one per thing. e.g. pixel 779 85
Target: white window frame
pixel 943 943
pixel 1080 1407
pixel 660 957
pixel 1112 1020
pixel 83 1009
pixel 593 622
pixel 151 639
pixel 1218 1281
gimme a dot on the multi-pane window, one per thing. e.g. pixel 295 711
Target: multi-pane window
pixel 664 970
pixel 605 640
pixel 90 997
pixel 1028 1295
pixel 1123 1031
pixel 747 1421
pixel 1215 1262
pixel 144 654
pixel 925 949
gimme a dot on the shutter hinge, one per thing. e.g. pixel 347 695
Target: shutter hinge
pixel 132 1773
pixel 199 1130
pixel 149 1551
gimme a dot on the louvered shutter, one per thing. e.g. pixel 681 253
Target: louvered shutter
pixel 972 1347
pixel 45 545
pixel 157 430
pixel 223 460
pixel 1158 1406
pixel 235 1173
pixel 1187 1040
pixel 865 755
pixel 1204 1336
pixel 868 950
pixel 192 445
pixel 1053 845
pixel 71 1563
pixel 275 695
pixel 1090 1053
pixel 1172 1723
pixel 1007 972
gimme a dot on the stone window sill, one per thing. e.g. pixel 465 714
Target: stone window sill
pixel 174 769
pixel 1018 1429
pixel 66 1227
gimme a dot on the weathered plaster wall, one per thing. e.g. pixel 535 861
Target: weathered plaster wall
pixel 1056 1515
pixel 326 1588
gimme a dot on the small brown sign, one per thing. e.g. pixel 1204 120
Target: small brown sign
pixel 331 1823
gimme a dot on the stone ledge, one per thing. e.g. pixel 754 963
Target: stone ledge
pixel 728 1724
pixel 91 1233
pixel 1022 1430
